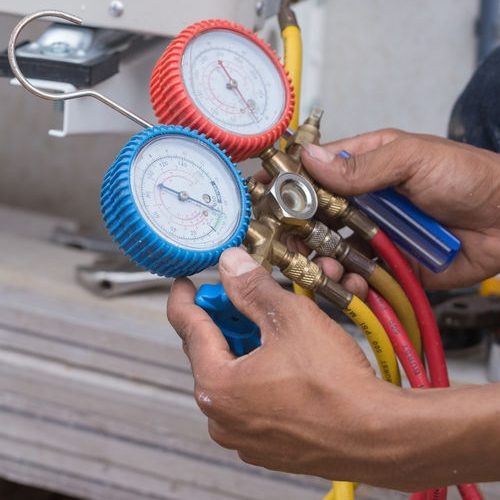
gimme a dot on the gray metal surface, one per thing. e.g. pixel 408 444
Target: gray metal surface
pixel 159 17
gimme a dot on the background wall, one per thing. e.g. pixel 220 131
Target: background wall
pixel 369 63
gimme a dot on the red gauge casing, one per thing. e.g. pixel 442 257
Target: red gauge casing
pixel 173 105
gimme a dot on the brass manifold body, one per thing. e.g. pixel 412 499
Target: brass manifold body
pixel 289 205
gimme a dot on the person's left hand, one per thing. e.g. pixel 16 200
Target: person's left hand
pixel 299 403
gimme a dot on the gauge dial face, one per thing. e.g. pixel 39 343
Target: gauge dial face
pixel 233 82
pixel 186 193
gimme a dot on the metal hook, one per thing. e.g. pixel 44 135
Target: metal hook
pixel 69 95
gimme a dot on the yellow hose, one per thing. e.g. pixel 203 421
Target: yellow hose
pixel 341 490
pixel 381 346
pixel 331 495
pixel 292 44
pixel 298 290
pixel 389 288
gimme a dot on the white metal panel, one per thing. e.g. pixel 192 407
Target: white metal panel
pixel 128 87
pixel 159 17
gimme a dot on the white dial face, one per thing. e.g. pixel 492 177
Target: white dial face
pixel 185 192
pixel 233 82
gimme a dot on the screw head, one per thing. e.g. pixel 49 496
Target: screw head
pixel 59 48
pixel 116 8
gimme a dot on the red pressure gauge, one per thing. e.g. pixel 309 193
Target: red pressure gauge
pixel 221 79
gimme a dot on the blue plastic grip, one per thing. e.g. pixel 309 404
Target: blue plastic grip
pixel 242 335
pixel 413 230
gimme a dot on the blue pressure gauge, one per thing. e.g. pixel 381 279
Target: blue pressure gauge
pixel 174 201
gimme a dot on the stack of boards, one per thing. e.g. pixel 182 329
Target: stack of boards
pixel 96 394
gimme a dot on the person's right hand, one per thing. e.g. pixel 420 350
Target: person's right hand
pixel 457 184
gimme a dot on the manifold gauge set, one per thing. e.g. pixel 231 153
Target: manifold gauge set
pixel 174 200
pixel 229 90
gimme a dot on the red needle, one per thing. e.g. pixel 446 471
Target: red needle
pixel 234 86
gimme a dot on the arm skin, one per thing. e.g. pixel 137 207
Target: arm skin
pixel 308 401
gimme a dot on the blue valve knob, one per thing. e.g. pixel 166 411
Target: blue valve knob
pixel 242 335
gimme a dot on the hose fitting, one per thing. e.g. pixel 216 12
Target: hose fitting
pixel 359 222
pixel 328 243
pixel 309 275
pixel 323 240
pixel 286 16
pixel 332 206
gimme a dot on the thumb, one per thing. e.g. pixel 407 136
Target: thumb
pixel 388 165
pixel 252 289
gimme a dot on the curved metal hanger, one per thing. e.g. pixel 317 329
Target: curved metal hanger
pixel 68 95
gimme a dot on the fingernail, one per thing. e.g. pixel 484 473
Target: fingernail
pixel 319 153
pixel 235 261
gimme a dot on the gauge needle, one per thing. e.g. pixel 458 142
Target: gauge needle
pixel 184 196
pixel 233 85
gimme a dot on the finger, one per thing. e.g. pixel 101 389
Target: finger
pixel 253 291
pixel 204 343
pixel 331 267
pixel 390 165
pixel 355 284
pixel 364 143
pixel 295 244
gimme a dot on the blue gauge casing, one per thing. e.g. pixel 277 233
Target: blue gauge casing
pixel 135 236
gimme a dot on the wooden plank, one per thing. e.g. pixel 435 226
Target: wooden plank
pixel 95 480
pixel 150 461
pixel 100 360
pixel 127 409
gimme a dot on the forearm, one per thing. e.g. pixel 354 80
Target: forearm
pixel 442 436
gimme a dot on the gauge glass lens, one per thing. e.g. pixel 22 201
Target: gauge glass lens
pixel 233 82
pixel 186 193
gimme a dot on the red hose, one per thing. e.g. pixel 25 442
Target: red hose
pixel 420 495
pixel 470 492
pixel 409 359
pixel 437 494
pixel 431 339
pixel 405 351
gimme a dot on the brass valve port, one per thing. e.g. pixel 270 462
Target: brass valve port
pixel 307 133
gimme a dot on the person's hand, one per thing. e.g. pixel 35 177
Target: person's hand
pixel 307 401
pixel 302 401
pixel 457 184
